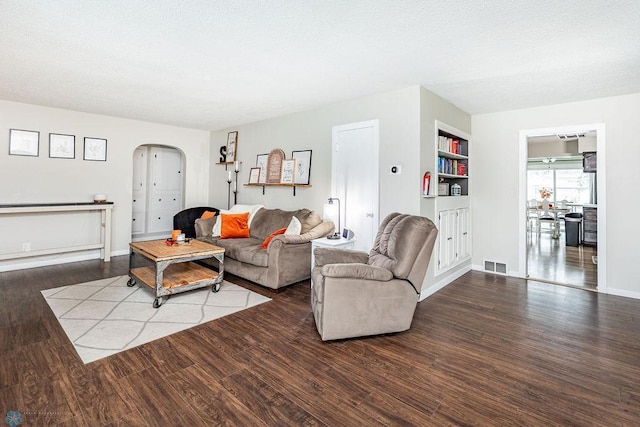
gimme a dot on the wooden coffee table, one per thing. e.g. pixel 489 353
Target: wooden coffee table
pixel 173 270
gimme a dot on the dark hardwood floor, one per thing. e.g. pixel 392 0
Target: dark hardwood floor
pixel 485 350
pixel 551 260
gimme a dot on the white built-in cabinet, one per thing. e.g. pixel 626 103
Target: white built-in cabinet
pixel 452 208
pixel 138 222
pixel 463 234
pixel 454 239
pixel 158 188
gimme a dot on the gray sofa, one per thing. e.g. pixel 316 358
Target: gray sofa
pixel 285 261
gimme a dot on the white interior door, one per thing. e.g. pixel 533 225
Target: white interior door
pixel 355 179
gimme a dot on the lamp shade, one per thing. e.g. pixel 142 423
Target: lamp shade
pixel 331 212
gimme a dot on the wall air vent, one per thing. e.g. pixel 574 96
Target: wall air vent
pixel 573 135
pixel 495 267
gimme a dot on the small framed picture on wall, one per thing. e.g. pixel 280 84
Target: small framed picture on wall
pixel 232 146
pixel 287 176
pixel 24 142
pixel 303 166
pixel 95 149
pixel 254 176
pixel 62 146
pixel 261 162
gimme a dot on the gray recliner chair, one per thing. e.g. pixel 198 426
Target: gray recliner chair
pixel 357 294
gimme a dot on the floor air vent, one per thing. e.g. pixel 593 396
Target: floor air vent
pixel 495 267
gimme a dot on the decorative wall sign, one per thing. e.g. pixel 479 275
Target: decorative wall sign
pixel 274 166
pixel 303 166
pixel 254 176
pixel 232 146
pixel 95 149
pixel 62 146
pixel 287 174
pixel 24 142
pixel 261 162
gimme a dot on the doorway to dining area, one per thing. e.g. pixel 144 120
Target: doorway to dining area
pixel 562 201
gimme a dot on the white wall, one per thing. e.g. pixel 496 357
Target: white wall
pixel 433 108
pixel 495 181
pixel 43 179
pixel 398 114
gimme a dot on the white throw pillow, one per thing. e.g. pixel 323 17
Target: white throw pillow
pixel 216 227
pixel 294 228
pixel 252 209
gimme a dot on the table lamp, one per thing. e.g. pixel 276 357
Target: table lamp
pixel 332 211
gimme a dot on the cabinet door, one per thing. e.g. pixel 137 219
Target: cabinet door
pixel 139 193
pixel 165 188
pixel 446 242
pixel 137 223
pixel 463 235
pixel 140 169
pixel 166 169
pixel 138 203
pixel 160 222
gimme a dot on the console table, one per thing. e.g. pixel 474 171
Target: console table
pixel 104 208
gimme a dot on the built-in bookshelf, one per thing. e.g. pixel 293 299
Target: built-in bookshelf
pixel 453 162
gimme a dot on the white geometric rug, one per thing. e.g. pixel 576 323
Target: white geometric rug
pixel 106 316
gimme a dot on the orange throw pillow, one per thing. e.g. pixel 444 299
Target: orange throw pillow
pixel 208 214
pixel 234 225
pixel 271 236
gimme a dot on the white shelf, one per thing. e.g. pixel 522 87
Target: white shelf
pixel 448 139
pixel 452 155
pixel 448 175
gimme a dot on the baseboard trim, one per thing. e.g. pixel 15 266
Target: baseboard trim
pixel 444 281
pixel 33 263
pixel 622 293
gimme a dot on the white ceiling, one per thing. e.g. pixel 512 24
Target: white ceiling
pixel 214 64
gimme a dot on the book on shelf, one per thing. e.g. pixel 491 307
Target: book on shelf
pixel 450 145
pixel 452 166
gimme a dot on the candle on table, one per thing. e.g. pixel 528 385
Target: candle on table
pixel 229 177
pixel 237 165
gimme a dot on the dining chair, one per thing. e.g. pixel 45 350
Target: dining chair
pixel 547 215
pixel 532 215
pixel 561 208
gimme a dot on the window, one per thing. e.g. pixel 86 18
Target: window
pixel 565 182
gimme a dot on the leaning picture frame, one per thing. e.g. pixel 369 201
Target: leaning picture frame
pixel 62 146
pixel 24 142
pixel 303 166
pixel 254 176
pixel 261 162
pixel 232 146
pixel 288 171
pixel 95 149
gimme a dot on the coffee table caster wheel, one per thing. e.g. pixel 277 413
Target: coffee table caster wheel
pixel 157 302
pixel 131 282
pixel 216 287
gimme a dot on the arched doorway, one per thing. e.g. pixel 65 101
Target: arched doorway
pixel 158 190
